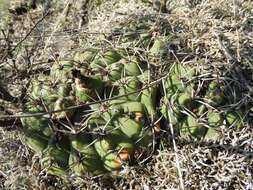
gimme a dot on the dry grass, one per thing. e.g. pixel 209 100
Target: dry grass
pixel 216 33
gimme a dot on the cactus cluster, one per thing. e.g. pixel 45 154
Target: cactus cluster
pixel 194 105
pixel 101 137
pixel 122 108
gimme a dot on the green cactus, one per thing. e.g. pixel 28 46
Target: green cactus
pixel 61 71
pixel 201 122
pixel 100 137
pixel 83 156
pixel 85 58
pixel 55 160
pixel 35 141
pixel 133 66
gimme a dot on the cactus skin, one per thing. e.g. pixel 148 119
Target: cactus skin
pixel 192 127
pixel 129 127
pixel 83 157
pixel 133 67
pixel 103 60
pixel 158 50
pixel 38 124
pixel 184 99
pixel 85 57
pixel 83 94
pixel 111 56
pixel 102 147
pixel 171 116
pixel 214 94
pixel 61 71
pixel 114 149
pixel 234 119
pixel 177 75
pixel 82 163
pixel 114 71
pixel 128 107
pixel 35 141
pixel 128 85
pixel 214 118
pixel 148 98
pixel 43 89
pixel 121 142
pixel 146 139
pixel 112 162
pixel 55 160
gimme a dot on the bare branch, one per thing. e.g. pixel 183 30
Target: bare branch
pixel 82 105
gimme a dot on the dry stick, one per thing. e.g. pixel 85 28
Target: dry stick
pixel 80 105
pixel 80 32
pixel 181 181
pixel 238 46
pixel 177 158
pixel 3 174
